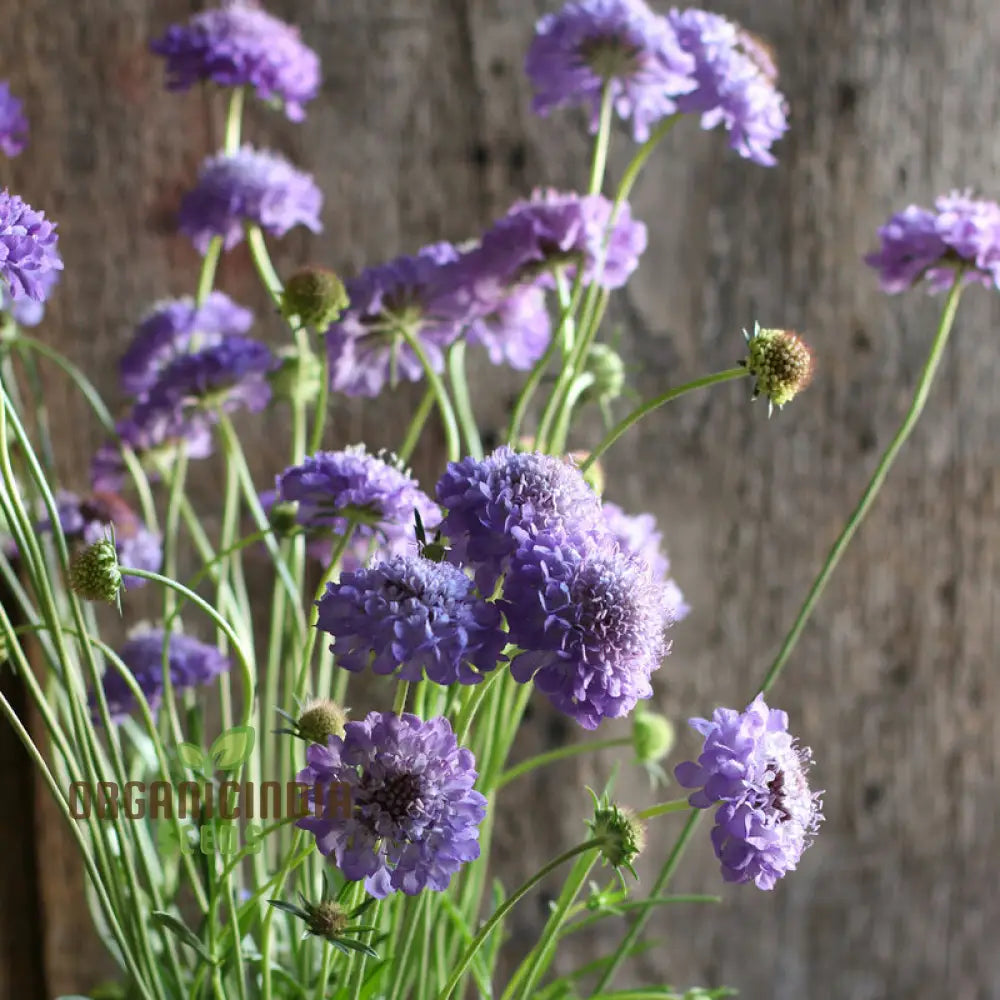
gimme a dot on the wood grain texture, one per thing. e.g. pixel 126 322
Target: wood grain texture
pixel 423 132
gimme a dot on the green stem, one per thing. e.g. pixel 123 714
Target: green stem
pixel 322 400
pixel 452 440
pixel 463 401
pixel 417 421
pixel 874 485
pixel 602 143
pixel 646 408
pixel 666 874
pixel 504 908
pixel 664 808
pixel 560 753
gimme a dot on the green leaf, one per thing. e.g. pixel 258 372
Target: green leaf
pixel 183 933
pixel 347 944
pixel 191 755
pixel 233 747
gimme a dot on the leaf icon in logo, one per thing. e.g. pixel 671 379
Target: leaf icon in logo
pixel 233 747
pixel 191 755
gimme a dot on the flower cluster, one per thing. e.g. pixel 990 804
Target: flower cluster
pixel 28 254
pixel 917 243
pixel 652 67
pixel 414 817
pixel 13 124
pixel 190 664
pixel 755 773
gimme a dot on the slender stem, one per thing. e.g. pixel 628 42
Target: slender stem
pixel 634 168
pixel 874 485
pixel 463 401
pixel 560 753
pixel 664 808
pixel 322 400
pixel 603 142
pixel 501 911
pixel 417 421
pixel 452 440
pixel 646 408
pixel 666 874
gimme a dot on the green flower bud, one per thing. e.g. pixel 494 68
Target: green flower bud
pixel 298 377
pixel 315 295
pixel 321 719
pixel 621 833
pixel 605 364
pixel 326 919
pixel 653 736
pixel 94 572
pixel 282 518
pixel 781 362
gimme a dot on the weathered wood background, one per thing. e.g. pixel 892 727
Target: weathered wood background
pixel 423 132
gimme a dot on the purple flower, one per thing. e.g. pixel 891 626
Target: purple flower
pixel 241 45
pixel 25 311
pixel 414 818
pixel 622 43
pixel 409 616
pixel 174 327
pixel 333 488
pixel 735 77
pixel 918 243
pixel 191 664
pixel 495 503
pixel 591 620
pixel 13 124
pixel 555 229
pixel 638 535
pixel 158 432
pixel 757 775
pixel 85 521
pixel 27 250
pixel 250 186
pixel 517 331
pixel 423 296
pixel 227 375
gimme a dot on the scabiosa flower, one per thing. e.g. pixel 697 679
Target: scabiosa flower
pixel 495 503
pixel 755 772
pixel 177 326
pixel 410 616
pixel 24 311
pixel 191 664
pixel 620 43
pixel 517 332
pixel 85 521
pixel 333 488
pixel 228 374
pixel 249 186
pixel 735 83
pixel 158 432
pixel 556 229
pixel 420 295
pixel 13 124
pixel 781 362
pixel 414 817
pixel 591 619
pixel 28 250
pixel 241 45
pixel 639 535
pixel 918 243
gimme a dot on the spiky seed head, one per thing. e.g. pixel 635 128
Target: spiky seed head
pixel 315 295
pixel 780 361
pixel 621 833
pixel 326 919
pixel 321 719
pixel 94 573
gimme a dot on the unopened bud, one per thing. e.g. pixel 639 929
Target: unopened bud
pixel 621 833
pixel 780 361
pixel 327 919
pixel 94 572
pixel 315 295
pixel 321 719
pixel 653 737
pixel 606 366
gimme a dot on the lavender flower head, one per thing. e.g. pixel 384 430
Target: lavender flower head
pixel 414 817
pixel 13 124
pixel 591 620
pixel 517 331
pixel 494 504
pixel 226 375
pixel 191 664
pixel 422 296
pixel 410 616
pixel 86 520
pixel 755 772
pixel 563 229
pixel 28 251
pixel 241 45
pixel 919 243
pixel 639 535
pixel 176 326
pixel 620 43
pixel 333 488
pixel 735 83
pixel 249 186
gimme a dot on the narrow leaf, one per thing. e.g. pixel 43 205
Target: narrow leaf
pixel 183 933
